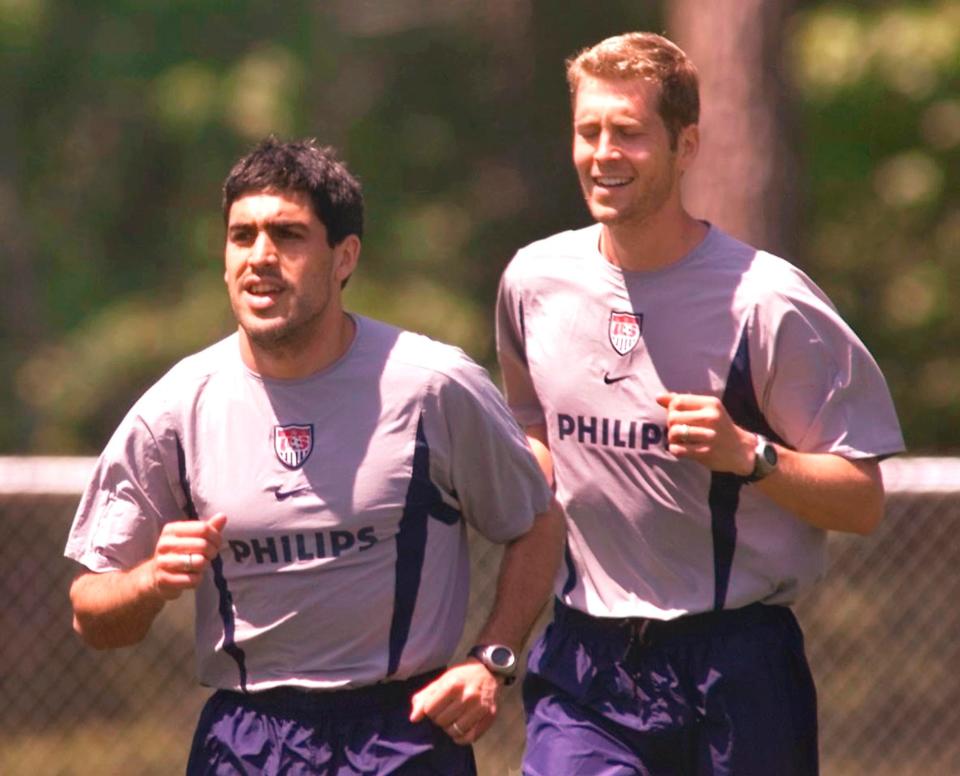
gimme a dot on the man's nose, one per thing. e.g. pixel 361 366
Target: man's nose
pixel 606 146
pixel 263 250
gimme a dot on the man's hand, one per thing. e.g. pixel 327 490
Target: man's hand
pixel 184 550
pixel 116 608
pixel 700 428
pixel 462 701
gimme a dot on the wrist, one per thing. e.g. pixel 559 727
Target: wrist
pixel 765 459
pixel 145 585
pixel 499 659
pixel 472 661
pixel 748 445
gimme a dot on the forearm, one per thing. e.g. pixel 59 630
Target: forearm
pixel 525 582
pixel 827 491
pixel 115 608
pixel 463 700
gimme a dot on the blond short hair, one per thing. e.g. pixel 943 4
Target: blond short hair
pixel 650 56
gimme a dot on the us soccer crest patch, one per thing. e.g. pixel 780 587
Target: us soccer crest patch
pixel 293 444
pixel 624 331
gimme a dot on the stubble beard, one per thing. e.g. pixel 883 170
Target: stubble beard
pixel 285 335
pixel 637 213
pixel 650 200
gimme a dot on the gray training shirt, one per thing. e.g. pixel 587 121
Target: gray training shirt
pixel 586 347
pixel 345 556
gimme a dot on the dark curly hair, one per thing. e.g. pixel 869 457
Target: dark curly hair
pixel 302 166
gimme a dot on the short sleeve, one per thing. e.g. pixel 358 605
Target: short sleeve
pixel 126 503
pixel 511 353
pixel 481 458
pixel 822 391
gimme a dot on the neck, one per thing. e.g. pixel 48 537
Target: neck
pixel 655 243
pixel 302 356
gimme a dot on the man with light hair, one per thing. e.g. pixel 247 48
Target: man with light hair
pixel 706 417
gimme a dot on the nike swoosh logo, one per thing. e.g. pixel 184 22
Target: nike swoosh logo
pixel 285 494
pixel 611 380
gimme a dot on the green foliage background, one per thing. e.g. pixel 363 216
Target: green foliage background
pixel 121 119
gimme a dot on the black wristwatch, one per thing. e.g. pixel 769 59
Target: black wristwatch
pixel 499 660
pixel 764 459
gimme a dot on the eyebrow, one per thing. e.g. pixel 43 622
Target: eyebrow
pixel 271 223
pixel 287 222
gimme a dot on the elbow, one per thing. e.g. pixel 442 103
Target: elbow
pixel 101 638
pixel 85 622
pixel 88 638
pixel 87 634
pixel 104 618
pixel 870 518
pixel 870 513
pixel 869 499
pixel 875 504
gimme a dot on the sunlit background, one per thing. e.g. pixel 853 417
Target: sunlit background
pixel 831 134
pixel 120 121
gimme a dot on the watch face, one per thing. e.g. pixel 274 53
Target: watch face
pixel 765 460
pixel 770 454
pixel 501 656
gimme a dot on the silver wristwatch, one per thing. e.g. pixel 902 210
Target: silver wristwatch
pixel 764 459
pixel 499 660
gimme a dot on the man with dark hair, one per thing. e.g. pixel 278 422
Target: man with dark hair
pixel 311 477
pixel 707 417
pixel 335 194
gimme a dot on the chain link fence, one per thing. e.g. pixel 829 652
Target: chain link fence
pixel 881 637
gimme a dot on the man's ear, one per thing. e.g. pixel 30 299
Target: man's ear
pixel 688 145
pixel 346 254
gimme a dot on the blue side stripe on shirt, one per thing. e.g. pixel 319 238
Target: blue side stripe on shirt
pixel 225 605
pixel 571 581
pixel 423 501
pixel 724 499
pixel 740 401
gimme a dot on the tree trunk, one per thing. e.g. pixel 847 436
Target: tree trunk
pixel 20 317
pixel 745 179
